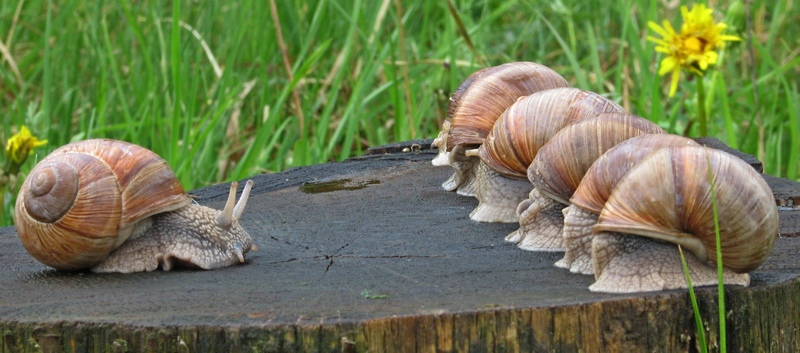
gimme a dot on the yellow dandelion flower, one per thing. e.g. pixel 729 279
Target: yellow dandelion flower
pixel 694 48
pixel 21 144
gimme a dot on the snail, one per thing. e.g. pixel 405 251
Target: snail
pixel 559 167
pixel 515 139
pixel 112 206
pixel 474 107
pixel 667 199
pixel 594 189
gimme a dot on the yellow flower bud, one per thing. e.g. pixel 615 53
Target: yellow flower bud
pixel 18 147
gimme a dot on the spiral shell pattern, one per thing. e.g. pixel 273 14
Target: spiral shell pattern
pixel 668 196
pixel 83 200
pixel 529 123
pixel 483 96
pixel 562 162
pixel 597 183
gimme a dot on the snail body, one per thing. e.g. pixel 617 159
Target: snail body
pixel 474 107
pixel 590 196
pixel 558 168
pixel 112 206
pixel 516 138
pixel 665 200
pixel 612 189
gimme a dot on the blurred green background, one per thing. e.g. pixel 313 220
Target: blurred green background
pixel 205 83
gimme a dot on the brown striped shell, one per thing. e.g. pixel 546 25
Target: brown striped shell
pixel 668 197
pixel 83 200
pixel 597 183
pixel 561 163
pixel 483 96
pixel 529 123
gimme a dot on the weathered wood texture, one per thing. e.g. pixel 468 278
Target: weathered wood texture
pixel 375 256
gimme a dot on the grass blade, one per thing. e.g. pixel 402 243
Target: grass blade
pixel 698 319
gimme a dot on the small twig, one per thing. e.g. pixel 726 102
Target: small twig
pixel 211 58
pixel 702 117
pixel 11 63
pixel 437 62
pixel 3 178
pixel 287 63
pixel 14 22
pixel 339 62
pixel 752 63
pixel 626 103
pixel 463 30
pixel 368 294
pixel 378 22
pixel 5 47
pixel 232 130
pixel 399 9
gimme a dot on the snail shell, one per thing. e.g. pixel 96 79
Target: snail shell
pixel 477 104
pixel 594 189
pixel 116 207
pixel 516 138
pixel 604 174
pixel 666 200
pixel 559 167
pixel 487 93
pixel 84 199
pixel 582 143
pixel 529 123
pixel 668 197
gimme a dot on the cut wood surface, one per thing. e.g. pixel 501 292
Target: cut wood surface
pixel 370 254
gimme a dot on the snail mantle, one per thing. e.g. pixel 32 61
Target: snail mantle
pixel 378 257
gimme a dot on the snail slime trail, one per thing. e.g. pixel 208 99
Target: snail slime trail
pixel 336 185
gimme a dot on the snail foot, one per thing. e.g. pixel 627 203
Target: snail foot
pixel 540 224
pixel 498 196
pixel 627 264
pixel 577 235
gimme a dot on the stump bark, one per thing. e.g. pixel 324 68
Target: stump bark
pixel 370 254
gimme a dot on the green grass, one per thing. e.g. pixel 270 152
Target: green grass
pixel 204 84
pixel 698 317
pixel 702 343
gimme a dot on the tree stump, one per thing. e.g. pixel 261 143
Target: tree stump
pixel 370 254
